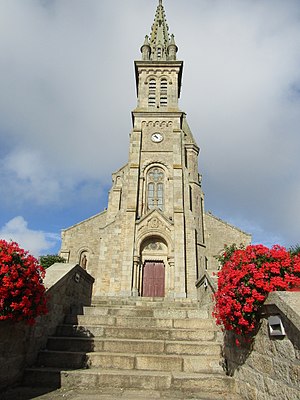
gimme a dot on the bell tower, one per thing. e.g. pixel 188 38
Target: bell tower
pixel 168 199
pixel 150 240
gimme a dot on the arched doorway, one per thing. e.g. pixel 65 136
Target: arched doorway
pixel 154 251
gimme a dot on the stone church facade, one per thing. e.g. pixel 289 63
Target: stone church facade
pixel 154 239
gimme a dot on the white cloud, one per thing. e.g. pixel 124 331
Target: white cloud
pixel 36 242
pixel 247 114
pixel 67 89
pixel 28 178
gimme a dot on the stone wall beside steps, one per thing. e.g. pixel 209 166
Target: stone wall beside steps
pixel 269 368
pixel 69 288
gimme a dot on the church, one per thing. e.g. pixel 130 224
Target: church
pixel 155 238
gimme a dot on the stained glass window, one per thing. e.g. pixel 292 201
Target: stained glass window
pixel 156 188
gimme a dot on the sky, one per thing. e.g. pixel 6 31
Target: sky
pixel 68 87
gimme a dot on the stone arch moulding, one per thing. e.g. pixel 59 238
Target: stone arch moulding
pixel 155 124
pixel 159 234
pixel 149 78
pixel 84 248
pixel 153 164
pixel 153 237
pixel 165 77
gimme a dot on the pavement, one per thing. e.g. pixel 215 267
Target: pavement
pixel 27 393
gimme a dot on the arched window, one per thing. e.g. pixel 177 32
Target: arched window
pixel 152 93
pixel 159 53
pixel 155 188
pixel 163 93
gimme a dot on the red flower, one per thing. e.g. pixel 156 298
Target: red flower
pixel 22 294
pixel 247 276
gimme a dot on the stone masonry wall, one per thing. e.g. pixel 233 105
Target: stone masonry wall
pixel 217 234
pixel 83 236
pixel 270 368
pixel 69 288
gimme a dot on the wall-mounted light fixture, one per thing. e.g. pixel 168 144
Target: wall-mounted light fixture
pixel 276 327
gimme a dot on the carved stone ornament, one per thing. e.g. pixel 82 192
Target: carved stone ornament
pixel 154 223
pixel 154 246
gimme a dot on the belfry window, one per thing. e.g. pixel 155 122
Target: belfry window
pixel 155 186
pixel 163 93
pixel 152 93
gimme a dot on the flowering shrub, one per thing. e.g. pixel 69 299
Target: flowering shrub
pixel 247 276
pixel 22 293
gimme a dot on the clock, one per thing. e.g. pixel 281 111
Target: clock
pixel 157 137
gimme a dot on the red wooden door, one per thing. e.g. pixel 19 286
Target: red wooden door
pixel 154 279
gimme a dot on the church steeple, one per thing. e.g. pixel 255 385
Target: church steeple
pixel 153 240
pixel 160 47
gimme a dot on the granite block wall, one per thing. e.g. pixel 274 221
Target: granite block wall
pixel 269 368
pixel 69 288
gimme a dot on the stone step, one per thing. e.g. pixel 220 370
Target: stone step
pixel 62 359
pixel 136 333
pixel 74 344
pixel 141 322
pixel 119 311
pixel 148 380
pixel 203 383
pixel 147 312
pixel 42 377
pixel 168 385
pixel 159 345
pixel 134 346
pixel 171 363
pixel 151 302
pixel 23 392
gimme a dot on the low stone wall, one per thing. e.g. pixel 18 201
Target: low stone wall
pixel 270 367
pixel 69 288
pixel 206 287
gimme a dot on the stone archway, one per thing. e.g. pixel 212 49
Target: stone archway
pixel 153 260
pixel 153 245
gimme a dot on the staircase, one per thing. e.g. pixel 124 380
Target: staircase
pixel 169 346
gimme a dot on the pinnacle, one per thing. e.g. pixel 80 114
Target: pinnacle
pixel 159 38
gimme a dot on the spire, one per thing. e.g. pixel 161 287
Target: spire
pixel 160 47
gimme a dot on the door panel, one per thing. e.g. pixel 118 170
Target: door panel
pixel 154 279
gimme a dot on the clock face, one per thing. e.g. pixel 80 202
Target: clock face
pixel 157 137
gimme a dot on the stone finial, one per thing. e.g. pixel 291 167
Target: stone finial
pixel 146 49
pixel 172 49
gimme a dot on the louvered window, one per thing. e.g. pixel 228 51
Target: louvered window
pixel 163 93
pixel 152 93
